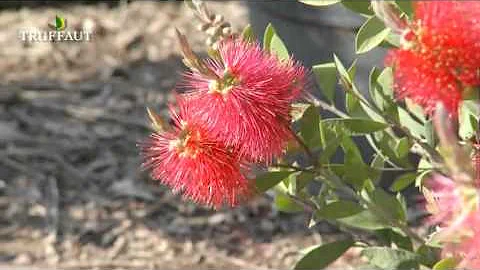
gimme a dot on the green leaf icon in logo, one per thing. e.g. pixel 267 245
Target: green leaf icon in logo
pixel 59 25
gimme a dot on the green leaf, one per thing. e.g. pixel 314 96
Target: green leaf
pixel 310 127
pixel 389 236
pixel 403 147
pixel 468 119
pixel 364 220
pixel 298 109
pixel 370 35
pixel 392 41
pixel 298 180
pixel 428 255
pixel 405 6
pixel 319 257
pixel 389 204
pixel 358 6
pixel 415 110
pixel 419 130
pixel 352 70
pixel 285 204
pixel 446 264
pixel 339 209
pixel 247 34
pixel 421 177
pixel 268 180
pixel 430 133
pixel 385 144
pixel 342 70
pixel 355 126
pixel 387 258
pixel 377 162
pixel 273 43
pixel 326 77
pixel 403 181
pixel 373 88
pixel 385 80
pixel 319 3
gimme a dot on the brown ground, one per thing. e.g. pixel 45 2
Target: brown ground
pixel 71 191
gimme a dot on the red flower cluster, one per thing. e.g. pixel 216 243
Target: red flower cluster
pixel 248 106
pixel 224 123
pixel 439 58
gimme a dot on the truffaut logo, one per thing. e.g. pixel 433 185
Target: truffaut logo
pixel 58 33
pixel 59 25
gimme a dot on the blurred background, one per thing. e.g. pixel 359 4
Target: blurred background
pixel 72 194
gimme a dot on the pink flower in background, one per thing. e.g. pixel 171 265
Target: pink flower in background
pixel 439 56
pixel 464 244
pixel 444 199
pixel 248 106
pixel 186 159
pixel 476 163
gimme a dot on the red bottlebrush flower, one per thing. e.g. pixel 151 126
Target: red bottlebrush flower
pixel 187 160
pixel 248 105
pixel 439 57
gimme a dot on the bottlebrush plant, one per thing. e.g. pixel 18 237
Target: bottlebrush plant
pixel 251 105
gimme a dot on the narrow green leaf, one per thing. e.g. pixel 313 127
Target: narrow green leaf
pixel 468 119
pixel 285 204
pixel 268 180
pixel 416 110
pixel 273 43
pixel 419 130
pixel 370 35
pixel 385 80
pixel 247 34
pixel 342 70
pixel 310 127
pixel 373 88
pixel 388 204
pixel 358 6
pixel 319 257
pixel 403 181
pixel 387 258
pixel 446 264
pixel 298 109
pixel 326 77
pixel 339 209
pixel 430 132
pixel 429 256
pixel 355 126
pixel 353 159
pixel 403 147
pixel 364 220
pixel 392 40
pixel 319 3
pixel 421 177
pixel 406 6
pixel 352 70
pixel 298 180
pixel 267 37
pixel 390 236
pixel 385 144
